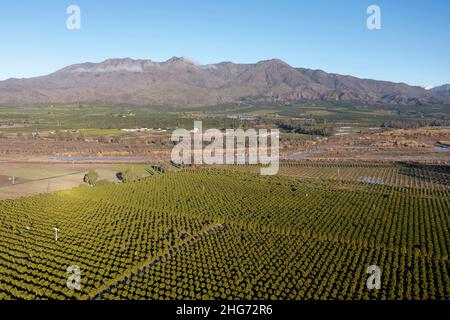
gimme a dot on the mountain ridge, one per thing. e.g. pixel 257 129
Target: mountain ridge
pixel 182 82
pixel 442 91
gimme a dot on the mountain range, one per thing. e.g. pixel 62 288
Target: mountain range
pixel 442 91
pixel 181 82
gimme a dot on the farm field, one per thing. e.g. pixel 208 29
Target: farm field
pixel 164 155
pixel 407 175
pixel 94 119
pixel 36 178
pixel 325 131
pixel 211 234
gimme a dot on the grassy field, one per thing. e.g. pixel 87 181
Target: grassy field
pixel 108 119
pixel 95 119
pixel 99 132
pixel 217 233
pixel 32 178
pixel 34 172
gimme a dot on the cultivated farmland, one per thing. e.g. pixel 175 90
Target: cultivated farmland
pixel 216 233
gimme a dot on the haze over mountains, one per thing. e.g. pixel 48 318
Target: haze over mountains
pixel 180 82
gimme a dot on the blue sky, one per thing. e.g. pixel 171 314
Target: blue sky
pixel 413 45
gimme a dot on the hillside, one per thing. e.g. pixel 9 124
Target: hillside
pixel 442 91
pixel 180 82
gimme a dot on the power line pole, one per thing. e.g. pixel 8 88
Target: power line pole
pixel 56 233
